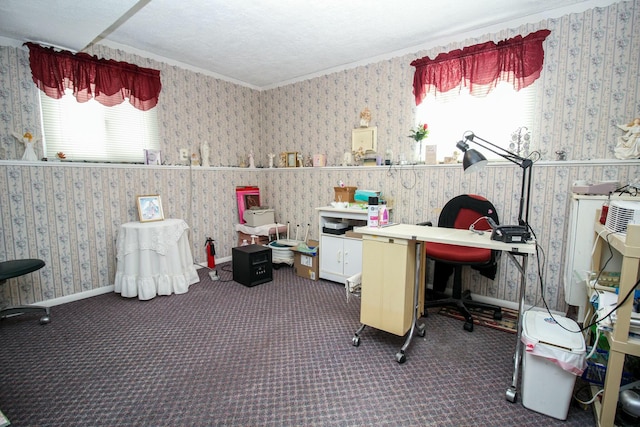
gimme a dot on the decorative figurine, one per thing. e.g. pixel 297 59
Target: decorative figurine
pixel 29 151
pixel 271 156
pixel 365 118
pixel 204 154
pixel 629 144
pixel 252 164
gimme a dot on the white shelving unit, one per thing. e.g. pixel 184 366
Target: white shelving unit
pixel 620 343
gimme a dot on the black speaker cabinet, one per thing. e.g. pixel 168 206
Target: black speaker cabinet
pixel 251 264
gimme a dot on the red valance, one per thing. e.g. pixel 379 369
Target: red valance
pixel 108 81
pixel 480 67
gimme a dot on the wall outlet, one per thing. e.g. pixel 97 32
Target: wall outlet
pixel 184 154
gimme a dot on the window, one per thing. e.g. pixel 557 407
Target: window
pixel 493 117
pixel 89 131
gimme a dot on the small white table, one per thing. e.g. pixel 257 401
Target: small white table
pixel 154 258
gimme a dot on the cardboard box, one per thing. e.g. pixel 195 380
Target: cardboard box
pixel 345 194
pixel 259 240
pixel 307 265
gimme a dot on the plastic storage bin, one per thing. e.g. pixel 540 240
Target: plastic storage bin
pixel 552 360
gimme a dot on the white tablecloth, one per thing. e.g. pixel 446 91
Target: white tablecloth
pixel 154 258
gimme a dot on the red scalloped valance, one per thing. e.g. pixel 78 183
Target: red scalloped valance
pixel 109 82
pixel 480 67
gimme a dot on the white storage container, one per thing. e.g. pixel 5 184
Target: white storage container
pixel 553 357
pixel 258 217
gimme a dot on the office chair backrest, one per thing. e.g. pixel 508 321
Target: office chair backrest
pixel 464 210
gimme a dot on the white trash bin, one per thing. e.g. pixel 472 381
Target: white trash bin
pixel 553 357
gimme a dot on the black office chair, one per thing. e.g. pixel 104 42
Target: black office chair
pixel 16 268
pixel 462 212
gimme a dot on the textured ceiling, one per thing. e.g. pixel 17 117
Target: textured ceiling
pixel 267 43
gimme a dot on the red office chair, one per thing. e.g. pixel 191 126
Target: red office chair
pixel 461 212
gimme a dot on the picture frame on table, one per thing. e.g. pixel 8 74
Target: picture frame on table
pixel 150 208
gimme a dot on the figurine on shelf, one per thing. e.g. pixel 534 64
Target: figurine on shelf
pixel 629 144
pixel 27 140
pixel 204 154
pixel 365 118
pixel 252 163
pixel 271 156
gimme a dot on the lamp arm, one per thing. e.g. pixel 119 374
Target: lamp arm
pixel 505 154
pixel 526 165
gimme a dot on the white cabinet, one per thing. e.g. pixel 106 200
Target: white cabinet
pixel 340 255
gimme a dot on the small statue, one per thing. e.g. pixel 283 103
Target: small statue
pixel 252 164
pixel 365 118
pixel 29 151
pixel 204 154
pixel 308 161
pixel 629 144
pixel 271 156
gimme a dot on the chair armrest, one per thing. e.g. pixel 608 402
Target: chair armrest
pixel 427 223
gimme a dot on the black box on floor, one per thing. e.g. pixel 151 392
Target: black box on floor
pixel 251 264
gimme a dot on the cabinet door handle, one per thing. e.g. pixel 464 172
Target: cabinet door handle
pixel 339 256
pixel 346 257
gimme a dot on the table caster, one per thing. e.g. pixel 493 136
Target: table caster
pixel 422 330
pixel 44 320
pixel 355 341
pixel 512 395
pixel 468 326
pixel 400 357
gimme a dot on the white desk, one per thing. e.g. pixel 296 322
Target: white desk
pixel 154 258
pixel 418 234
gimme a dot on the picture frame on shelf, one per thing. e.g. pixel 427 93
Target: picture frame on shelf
pixel 152 157
pixel 291 159
pixel 150 208
pixel 365 138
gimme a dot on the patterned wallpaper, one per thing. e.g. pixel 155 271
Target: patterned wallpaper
pixel 69 214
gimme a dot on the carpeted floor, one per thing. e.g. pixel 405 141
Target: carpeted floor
pixel 482 317
pixel 278 354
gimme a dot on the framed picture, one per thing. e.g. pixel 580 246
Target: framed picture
pixel 367 138
pixel 150 208
pixel 292 159
pixel 152 157
pixel 247 198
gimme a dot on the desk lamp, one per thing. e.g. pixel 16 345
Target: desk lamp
pixel 474 161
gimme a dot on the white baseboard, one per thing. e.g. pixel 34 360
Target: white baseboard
pixel 77 297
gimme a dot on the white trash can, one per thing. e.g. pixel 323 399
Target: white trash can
pixel 554 355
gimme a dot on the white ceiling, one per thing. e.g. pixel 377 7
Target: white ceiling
pixel 268 43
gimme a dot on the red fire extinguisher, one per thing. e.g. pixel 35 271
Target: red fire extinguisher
pixel 211 253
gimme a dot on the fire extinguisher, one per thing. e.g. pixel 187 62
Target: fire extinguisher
pixel 211 253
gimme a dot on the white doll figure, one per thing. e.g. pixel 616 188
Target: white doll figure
pixel 204 155
pixel 271 156
pixel 29 142
pixel 252 164
pixel 629 144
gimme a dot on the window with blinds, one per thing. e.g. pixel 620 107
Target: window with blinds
pixel 92 132
pixel 494 117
